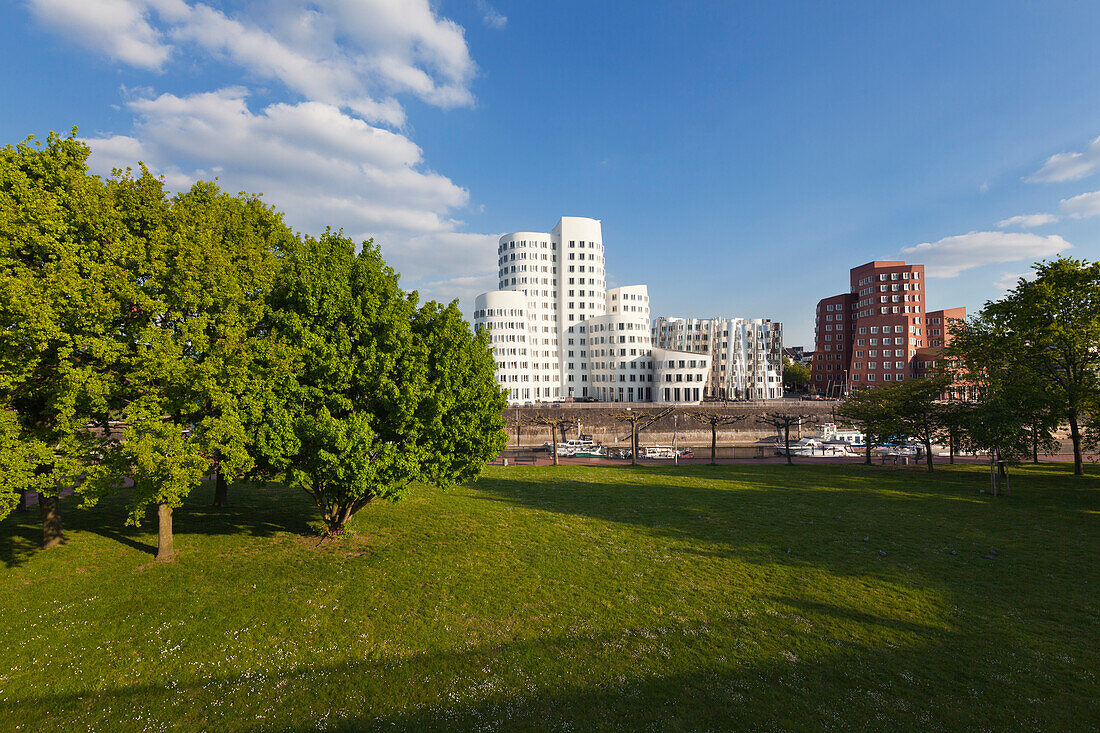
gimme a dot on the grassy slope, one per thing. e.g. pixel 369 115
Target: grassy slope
pixel 574 598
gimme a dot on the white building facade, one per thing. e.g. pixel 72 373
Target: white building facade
pixel 745 354
pixel 557 332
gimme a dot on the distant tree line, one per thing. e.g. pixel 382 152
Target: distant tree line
pixel 149 340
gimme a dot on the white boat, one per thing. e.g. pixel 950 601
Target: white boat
pixel 831 433
pixel 658 451
pixel 582 447
pixel 811 447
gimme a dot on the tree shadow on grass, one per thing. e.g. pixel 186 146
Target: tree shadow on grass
pixel 255 510
pixel 848 521
pixel 20 537
pixel 727 675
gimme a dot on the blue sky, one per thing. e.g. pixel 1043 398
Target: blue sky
pixel 741 156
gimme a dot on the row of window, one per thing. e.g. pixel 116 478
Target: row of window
pixel 884 276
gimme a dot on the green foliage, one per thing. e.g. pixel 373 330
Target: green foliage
pixel 69 255
pixel 377 393
pixel 190 381
pixel 221 343
pixel 20 456
pixel 869 407
pixel 910 409
pixel 918 412
pixel 1011 413
pixel 1035 354
pixel 795 376
pixel 462 409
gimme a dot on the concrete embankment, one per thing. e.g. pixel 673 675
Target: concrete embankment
pixel 597 420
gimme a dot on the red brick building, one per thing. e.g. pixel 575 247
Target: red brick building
pixel 880 331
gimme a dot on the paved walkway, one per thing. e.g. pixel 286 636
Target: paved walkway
pixel 544 459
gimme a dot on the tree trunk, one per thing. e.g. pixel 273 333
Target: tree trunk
pixel 165 549
pixel 787 443
pixel 633 445
pixel 951 447
pixel 221 490
pixel 928 452
pixel 1002 476
pixel 554 440
pixel 713 444
pixel 867 447
pixel 1075 436
pixel 49 507
pixel 1034 443
pixel 993 473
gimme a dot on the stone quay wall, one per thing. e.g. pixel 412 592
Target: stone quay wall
pixel 595 419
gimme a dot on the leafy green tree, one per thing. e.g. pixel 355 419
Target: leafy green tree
pixel 870 409
pixel 954 419
pixel 19 459
pixel 379 393
pixel 461 413
pixel 69 256
pixel 1047 333
pixel 190 369
pixel 796 377
pixel 917 409
pixel 1010 414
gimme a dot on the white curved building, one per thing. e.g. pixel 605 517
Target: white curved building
pixel 557 332
pixel 679 376
pixel 746 353
pixel 507 317
pixel 620 345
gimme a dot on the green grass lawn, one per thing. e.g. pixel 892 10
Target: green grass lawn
pixel 577 598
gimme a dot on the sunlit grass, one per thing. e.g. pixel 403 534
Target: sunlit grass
pixel 573 598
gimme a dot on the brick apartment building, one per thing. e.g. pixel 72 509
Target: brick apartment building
pixel 880 331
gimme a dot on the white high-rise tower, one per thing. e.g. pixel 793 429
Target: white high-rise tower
pixel 557 332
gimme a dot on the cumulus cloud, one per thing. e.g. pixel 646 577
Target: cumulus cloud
pixel 490 16
pixel 318 164
pixel 331 150
pixel 1069 166
pixel 356 54
pixel 465 288
pixel 1083 206
pixel 1027 221
pixel 119 28
pixel 952 255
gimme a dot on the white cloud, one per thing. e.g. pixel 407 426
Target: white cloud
pixel 319 165
pixel 1027 221
pixel 952 255
pixel 490 16
pixel 1069 166
pixel 355 54
pixel 1083 206
pixel 119 28
pixel 465 288
pixel 322 155
pixel 1009 280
